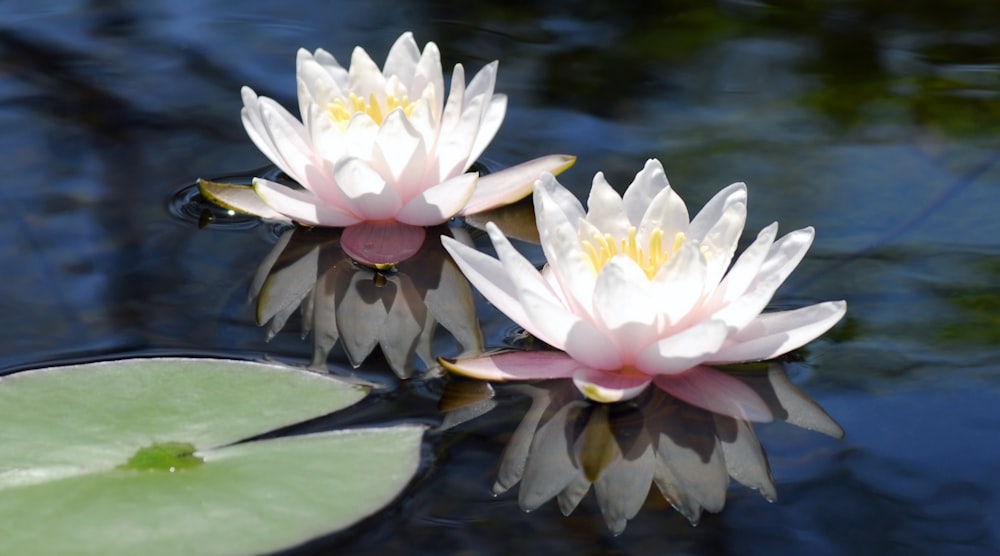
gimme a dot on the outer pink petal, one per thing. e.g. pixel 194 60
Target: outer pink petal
pixel 382 243
pixel 608 387
pixel 514 183
pixel 369 195
pixel 717 392
pixel 439 203
pixel 301 206
pixel 515 365
pixel 774 334
pixel 681 351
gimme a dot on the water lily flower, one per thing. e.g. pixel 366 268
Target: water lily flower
pixel 380 152
pixel 636 293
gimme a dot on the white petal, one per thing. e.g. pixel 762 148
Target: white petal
pixel 319 77
pixel 491 278
pixel 440 202
pixel 719 243
pixel 301 206
pixel 679 352
pixel 568 203
pixel 609 387
pixel 489 124
pixel 515 183
pixel 360 135
pixel 364 76
pixel 453 146
pixel 401 150
pixel 605 209
pixel 402 58
pixel 456 102
pixel 369 195
pixel 573 272
pixel 679 285
pixel 667 213
pixel 648 183
pixel 706 219
pixel 559 326
pixel 622 302
pixel 428 74
pixel 745 269
pixel 774 334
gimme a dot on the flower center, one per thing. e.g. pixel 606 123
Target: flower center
pixel 601 249
pixel 342 112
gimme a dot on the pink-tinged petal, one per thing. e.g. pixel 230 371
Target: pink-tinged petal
pixel 557 325
pixel 648 183
pixel 301 206
pixel 370 197
pixel 514 365
pixel 425 122
pixel 605 209
pixel 490 277
pixel 381 243
pixel 774 334
pixel 402 58
pixel 489 124
pixel 365 79
pixel 439 203
pixel 623 304
pixel 713 210
pixel 240 198
pixel 568 204
pixel 401 150
pixel 609 387
pixel 719 243
pixel 745 269
pixel 679 352
pixel 679 284
pixel 715 391
pixel 515 183
pixel 253 123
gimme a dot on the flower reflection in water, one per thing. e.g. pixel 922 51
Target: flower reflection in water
pixel 339 300
pixel 565 443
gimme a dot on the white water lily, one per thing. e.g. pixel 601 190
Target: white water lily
pixel 636 293
pixel 380 152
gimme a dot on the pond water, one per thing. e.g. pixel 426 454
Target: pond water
pixel 876 124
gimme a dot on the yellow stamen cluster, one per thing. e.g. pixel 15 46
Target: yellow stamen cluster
pixel 602 249
pixel 342 112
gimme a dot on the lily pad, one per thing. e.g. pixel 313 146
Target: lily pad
pixel 136 456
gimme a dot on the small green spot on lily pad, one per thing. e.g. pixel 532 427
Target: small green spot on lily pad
pixel 163 456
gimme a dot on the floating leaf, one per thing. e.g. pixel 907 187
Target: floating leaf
pixel 136 456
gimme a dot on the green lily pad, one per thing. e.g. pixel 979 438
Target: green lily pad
pixel 136 457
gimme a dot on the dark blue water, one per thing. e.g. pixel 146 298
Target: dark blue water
pixel 877 124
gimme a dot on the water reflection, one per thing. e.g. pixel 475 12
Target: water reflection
pixel 339 300
pixel 565 444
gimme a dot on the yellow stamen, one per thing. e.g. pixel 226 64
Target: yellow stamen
pixel 342 112
pixel 601 249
